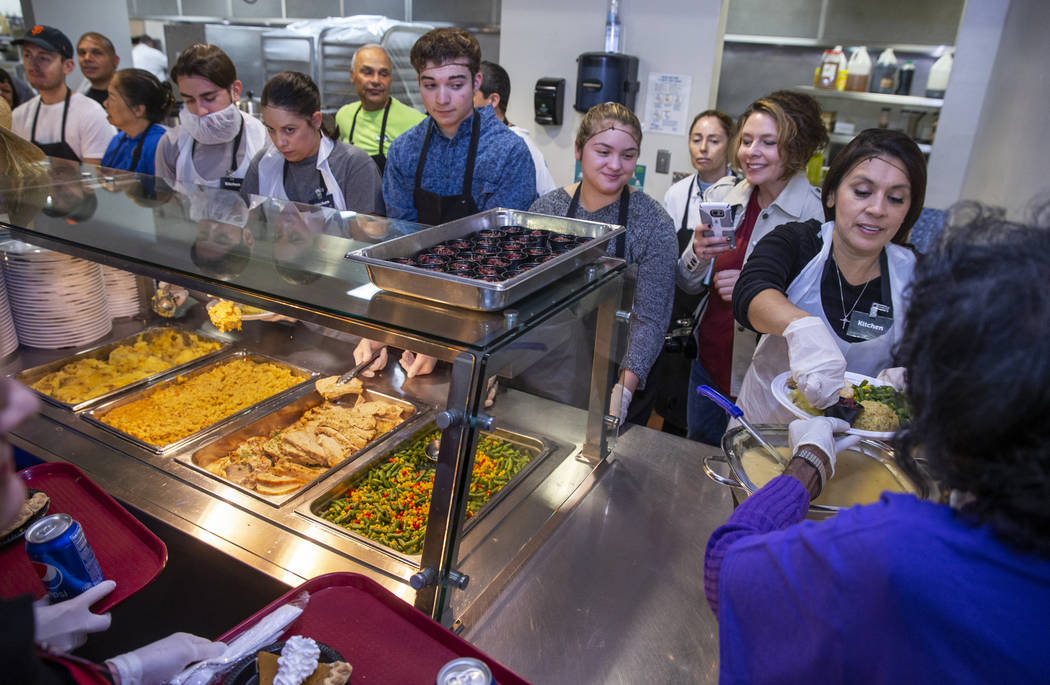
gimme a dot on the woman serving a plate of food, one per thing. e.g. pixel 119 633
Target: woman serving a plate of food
pixel 831 298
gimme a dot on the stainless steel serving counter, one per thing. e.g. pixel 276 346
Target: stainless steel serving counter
pixel 614 595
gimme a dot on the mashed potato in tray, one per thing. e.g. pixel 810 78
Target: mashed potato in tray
pixel 87 378
pixel 176 410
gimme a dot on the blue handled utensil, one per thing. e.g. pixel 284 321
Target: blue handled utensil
pixel 738 414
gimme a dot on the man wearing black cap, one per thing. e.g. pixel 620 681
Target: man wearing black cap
pixel 60 122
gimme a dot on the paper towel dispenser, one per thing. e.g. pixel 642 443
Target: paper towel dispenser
pixel 606 77
pixel 549 101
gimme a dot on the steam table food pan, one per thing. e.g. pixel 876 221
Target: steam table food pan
pixel 472 293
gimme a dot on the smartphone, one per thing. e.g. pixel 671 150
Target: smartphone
pixel 719 216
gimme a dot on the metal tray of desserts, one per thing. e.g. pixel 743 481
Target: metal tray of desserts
pixel 282 417
pixel 96 414
pixel 472 293
pixel 33 375
pixel 536 448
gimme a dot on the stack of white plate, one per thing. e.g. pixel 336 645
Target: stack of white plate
pixel 8 334
pixel 56 300
pixel 122 292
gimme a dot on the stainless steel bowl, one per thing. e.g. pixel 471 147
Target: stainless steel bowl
pixel 737 441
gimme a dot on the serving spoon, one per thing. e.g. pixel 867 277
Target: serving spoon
pixel 738 414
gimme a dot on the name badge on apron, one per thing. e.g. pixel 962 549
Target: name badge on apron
pixel 231 183
pixel 870 324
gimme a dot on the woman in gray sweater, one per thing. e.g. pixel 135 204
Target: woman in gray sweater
pixel 607 145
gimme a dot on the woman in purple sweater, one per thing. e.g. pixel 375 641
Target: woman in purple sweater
pixel 906 590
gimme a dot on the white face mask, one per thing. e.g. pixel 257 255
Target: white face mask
pixel 213 128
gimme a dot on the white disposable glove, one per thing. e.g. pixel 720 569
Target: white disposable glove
pixel 895 377
pixel 158 661
pixel 64 626
pixel 417 364
pixel 364 351
pixel 819 432
pixel 620 401
pixel 816 363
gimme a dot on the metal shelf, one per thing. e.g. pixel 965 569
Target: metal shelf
pixel 844 138
pixel 901 101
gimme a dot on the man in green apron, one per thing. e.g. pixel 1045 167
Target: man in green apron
pixel 376 119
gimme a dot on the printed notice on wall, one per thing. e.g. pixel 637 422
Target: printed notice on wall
pixel 667 103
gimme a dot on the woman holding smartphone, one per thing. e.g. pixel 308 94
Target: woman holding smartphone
pixel 775 138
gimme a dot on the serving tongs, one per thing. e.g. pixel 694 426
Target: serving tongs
pixel 352 373
pixel 738 414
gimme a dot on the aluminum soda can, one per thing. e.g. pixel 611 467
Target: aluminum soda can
pixel 62 556
pixel 465 671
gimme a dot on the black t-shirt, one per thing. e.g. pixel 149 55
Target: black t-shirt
pixel 97 95
pixel 780 257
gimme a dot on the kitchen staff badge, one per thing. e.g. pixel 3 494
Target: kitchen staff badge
pixel 870 324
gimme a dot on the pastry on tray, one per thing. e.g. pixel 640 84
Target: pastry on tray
pixel 298 664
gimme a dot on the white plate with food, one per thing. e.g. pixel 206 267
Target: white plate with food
pixel 787 395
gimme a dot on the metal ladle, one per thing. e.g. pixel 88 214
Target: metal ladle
pixel 738 414
pixel 432 448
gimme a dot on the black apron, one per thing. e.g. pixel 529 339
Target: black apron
pixel 61 148
pixel 625 203
pixel 436 209
pixel 379 158
pixel 684 303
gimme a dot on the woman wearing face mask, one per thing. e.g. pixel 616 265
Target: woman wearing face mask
pixel 136 105
pixel 774 140
pixel 304 164
pixel 608 143
pixel 214 142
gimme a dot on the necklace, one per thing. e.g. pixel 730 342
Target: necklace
pixel 842 299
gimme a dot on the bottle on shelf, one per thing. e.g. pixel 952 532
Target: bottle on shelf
pixel 613 28
pixel 884 75
pixel 937 83
pixel 907 73
pixel 832 69
pixel 858 70
pixel 884 118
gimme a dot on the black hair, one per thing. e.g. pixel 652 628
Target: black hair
pixel 207 61
pixel 976 347
pixel 295 92
pixel 140 87
pixel 877 142
pixel 6 78
pixel 495 79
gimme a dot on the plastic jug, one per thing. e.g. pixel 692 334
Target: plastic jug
pixel 832 69
pixel 858 70
pixel 884 75
pixel 937 83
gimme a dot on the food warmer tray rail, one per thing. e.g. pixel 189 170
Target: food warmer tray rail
pixel 282 417
pixel 471 293
pixel 32 375
pixel 199 437
pixel 537 448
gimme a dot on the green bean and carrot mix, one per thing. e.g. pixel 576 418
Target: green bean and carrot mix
pixel 391 503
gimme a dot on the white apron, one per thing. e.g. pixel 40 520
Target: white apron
pixel 867 357
pixel 255 139
pixel 271 174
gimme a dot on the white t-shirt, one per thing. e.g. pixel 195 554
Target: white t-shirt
pixel 87 131
pixel 151 59
pixel 544 181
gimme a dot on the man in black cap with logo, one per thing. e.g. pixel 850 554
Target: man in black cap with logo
pixel 59 121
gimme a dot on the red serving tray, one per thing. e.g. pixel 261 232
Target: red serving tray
pixel 127 550
pixel 382 637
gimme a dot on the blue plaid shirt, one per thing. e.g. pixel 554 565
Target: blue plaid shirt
pixel 504 175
